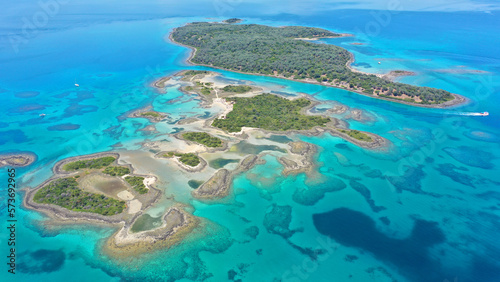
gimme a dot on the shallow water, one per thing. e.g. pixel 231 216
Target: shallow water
pixel 433 193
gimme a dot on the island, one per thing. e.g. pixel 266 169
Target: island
pixel 19 159
pixel 269 112
pixel 148 113
pixel 96 189
pixel 232 20
pixel 188 161
pixel 203 138
pixel 286 52
pixel 208 152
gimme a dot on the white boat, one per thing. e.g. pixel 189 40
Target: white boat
pixel 77 85
pixel 42 115
pixel 484 114
pixel 379 63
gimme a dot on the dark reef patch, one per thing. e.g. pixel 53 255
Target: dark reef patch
pixel 221 162
pixel 363 65
pixel 280 139
pixel 343 146
pixel 385 220
pixel 452 172
pixel 277 220
pixel 248 148
pixel 410 255
pixel 365 192
pixel 76 110
pixel 27 94
pixel 29 108
pixel 15 135
pixel 64 127
pixel 410 181
pixel 82 95
pixel 309 195
pixel 252 232
pixel 373 173
pixel 195 183
pixel 41 261
pixel 471 156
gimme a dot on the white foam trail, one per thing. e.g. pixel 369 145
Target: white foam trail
pixel 464 114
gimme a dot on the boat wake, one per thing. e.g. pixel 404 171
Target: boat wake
pixel 483 114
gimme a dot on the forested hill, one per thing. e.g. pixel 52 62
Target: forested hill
pixel 276 51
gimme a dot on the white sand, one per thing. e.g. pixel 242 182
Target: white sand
pixel 134 206
pixel 125 195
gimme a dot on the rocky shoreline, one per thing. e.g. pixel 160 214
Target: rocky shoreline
pixel 219 185
pixel 176 224
pixel 123 243
pixel 20 159
pixel 185 167
pixel 148 113
pixel 458 99
pixel 305 162
pixel 377 142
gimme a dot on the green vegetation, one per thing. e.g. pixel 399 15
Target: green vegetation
pixel 151 114
pixel 233 20
pixel 168 155
pixel 64 192
pixel 252 48
pixel 189 159
pixel 137 183
pixel 203 138
pixel 357 135
pixel 92 163
pixel 116 170
pixel 237 88
pixel 206 90
pixel 194 72
pixel 269 112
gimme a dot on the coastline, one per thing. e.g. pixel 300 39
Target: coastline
pixel 19 159
pixel 457 101
pixel 219 185
pixel 124 242
pixel 303 163
pixel 185 167
pixel 148 109
pixel 176 224
pixel 331 127
pixel 222 148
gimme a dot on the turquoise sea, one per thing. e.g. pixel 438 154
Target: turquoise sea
pixel 425 209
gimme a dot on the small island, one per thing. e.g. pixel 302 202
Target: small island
pixel 64 192
pixel 203 138
pixel 101 189
pixel 269 112
pixel 232 20
pixel 277 52
pixel 20 159
pixel 149 113
pixel 96 189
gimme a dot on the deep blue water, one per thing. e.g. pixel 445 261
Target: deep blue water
pixel 425 210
